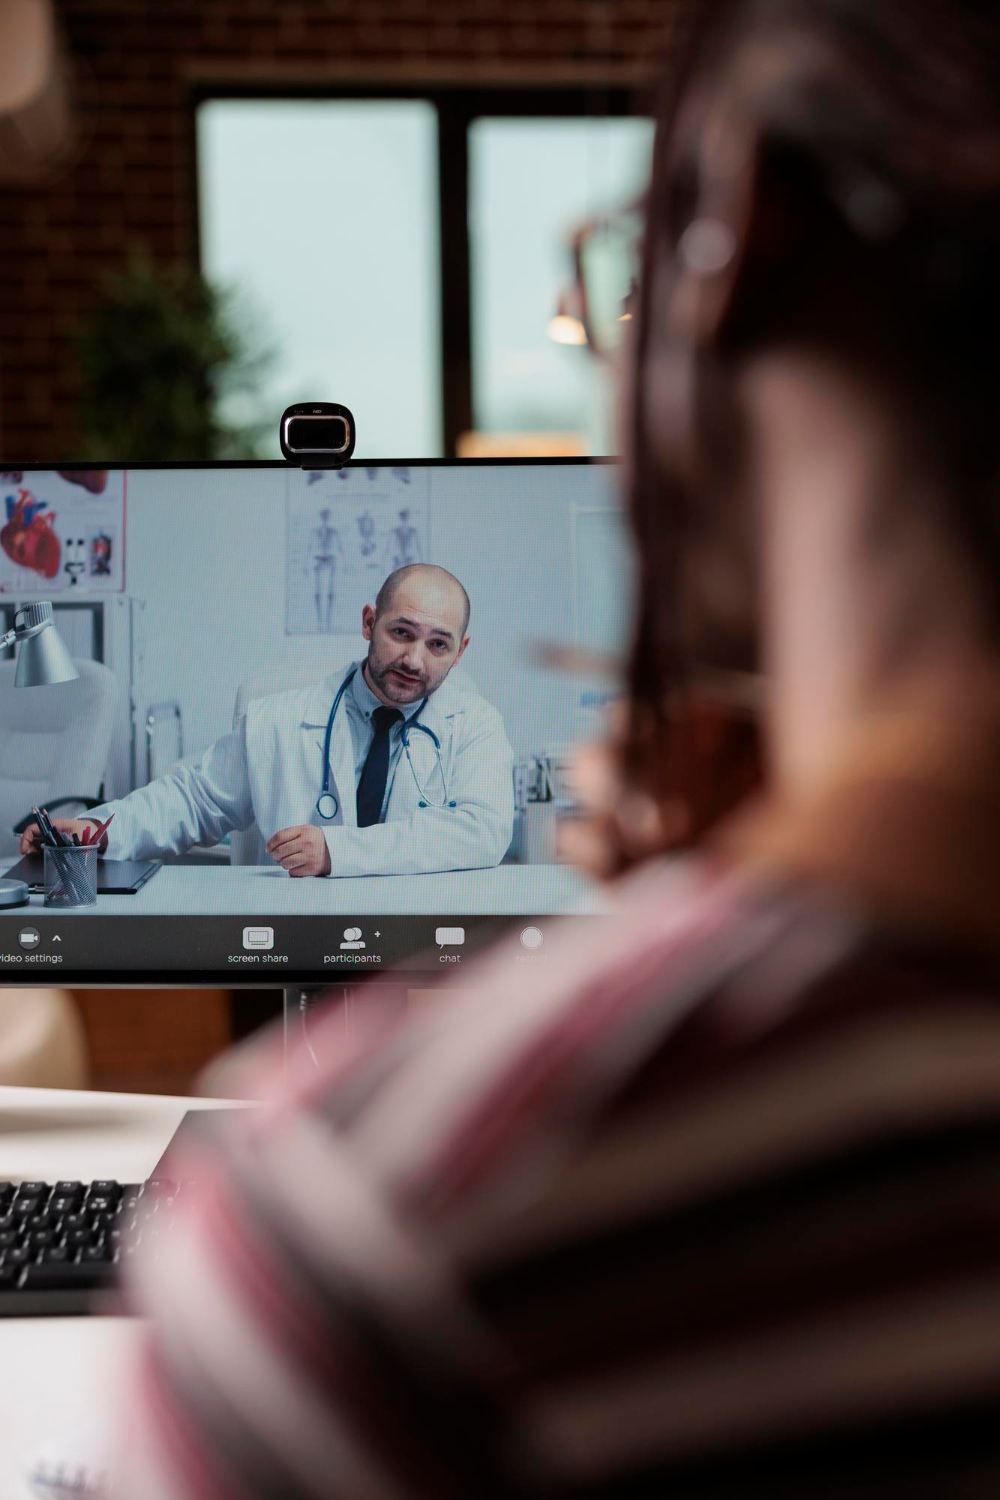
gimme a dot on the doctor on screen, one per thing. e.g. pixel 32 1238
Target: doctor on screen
pixel 389 766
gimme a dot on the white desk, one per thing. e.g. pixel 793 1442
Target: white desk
pixel 201 890
pixel 52 1370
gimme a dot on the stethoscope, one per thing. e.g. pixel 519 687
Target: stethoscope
pixel 327 805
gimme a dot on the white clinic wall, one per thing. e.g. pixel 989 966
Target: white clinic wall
pixel 206 552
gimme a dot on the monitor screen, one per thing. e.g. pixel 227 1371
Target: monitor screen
pixel 322 716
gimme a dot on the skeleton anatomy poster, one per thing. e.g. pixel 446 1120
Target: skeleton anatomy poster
pixel 62 532
pixel 348 529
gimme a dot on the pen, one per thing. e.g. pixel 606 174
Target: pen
pixel 45 827
pixel 99 834
pixel 56 838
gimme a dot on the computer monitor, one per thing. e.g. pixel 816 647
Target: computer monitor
pixel 328 710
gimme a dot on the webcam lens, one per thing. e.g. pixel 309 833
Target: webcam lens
pixel 317 434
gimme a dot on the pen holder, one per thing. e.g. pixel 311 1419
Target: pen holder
pixel 71 876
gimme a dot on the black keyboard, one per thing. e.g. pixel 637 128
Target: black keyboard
pixel 61 1244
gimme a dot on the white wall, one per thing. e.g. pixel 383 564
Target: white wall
pixel 206 551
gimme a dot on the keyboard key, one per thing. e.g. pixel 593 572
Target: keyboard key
pixel 33 1190
pixel 158 1185
pixel 23 1208
pixel 39 1221
pixel 9 1275
pixel 54 1275
pixel 95 1252
pixel 76 1220
pixel 40 1239
pixel 18 1256
pixel 101 1204
pixel 6 1191
pixel 9 1237
pixel 69 1189
pixel 56 1253
pixel 9 1221
pixel 77 1237
pixel 107 1186
pixel 62 1205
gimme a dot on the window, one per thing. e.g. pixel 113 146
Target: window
pixel 530 183
pixel 328 216
pixel 324 216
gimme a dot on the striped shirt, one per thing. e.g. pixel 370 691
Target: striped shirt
pixel 702 1203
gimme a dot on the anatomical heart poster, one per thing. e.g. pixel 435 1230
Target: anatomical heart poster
pixel 62 531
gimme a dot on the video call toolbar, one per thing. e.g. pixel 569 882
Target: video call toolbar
pixel 271 950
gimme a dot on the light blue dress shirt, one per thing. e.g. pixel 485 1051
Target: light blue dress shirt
pixel 360 703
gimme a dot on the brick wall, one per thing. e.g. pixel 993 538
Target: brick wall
pixel 137 67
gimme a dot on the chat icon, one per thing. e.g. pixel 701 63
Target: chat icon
pixel 449 937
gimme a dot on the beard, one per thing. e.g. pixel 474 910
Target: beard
pixel 395 684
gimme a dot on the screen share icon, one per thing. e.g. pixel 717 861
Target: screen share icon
pixel 258 937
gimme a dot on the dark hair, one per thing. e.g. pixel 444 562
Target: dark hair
pixel 890 169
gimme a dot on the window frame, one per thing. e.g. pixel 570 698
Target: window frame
pixel 457 109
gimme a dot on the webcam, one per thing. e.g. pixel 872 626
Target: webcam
pixel 317 434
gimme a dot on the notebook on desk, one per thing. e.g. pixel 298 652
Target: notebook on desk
pixel 115 877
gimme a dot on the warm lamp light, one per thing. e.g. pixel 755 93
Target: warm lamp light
pixel 566 326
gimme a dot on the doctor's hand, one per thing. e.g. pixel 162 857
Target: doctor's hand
pixel 301 850
pixel 31 838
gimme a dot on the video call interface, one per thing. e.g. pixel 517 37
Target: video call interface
pixel 322 719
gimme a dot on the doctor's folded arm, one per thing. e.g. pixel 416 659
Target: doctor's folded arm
pixel 390 765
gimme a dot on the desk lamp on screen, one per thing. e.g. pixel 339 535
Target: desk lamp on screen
pixel 42 661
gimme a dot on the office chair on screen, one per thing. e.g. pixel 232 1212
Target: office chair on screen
pixel 54 747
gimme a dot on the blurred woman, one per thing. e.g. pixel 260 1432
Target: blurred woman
pixel 704 1200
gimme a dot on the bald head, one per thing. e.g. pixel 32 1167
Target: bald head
pixel 429 582
pixel 416 631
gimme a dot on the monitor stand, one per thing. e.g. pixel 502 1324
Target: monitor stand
pixel 350 996
pixel 299 1000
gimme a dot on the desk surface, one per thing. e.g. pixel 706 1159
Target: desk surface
pixel 192 890
pixel 55 1373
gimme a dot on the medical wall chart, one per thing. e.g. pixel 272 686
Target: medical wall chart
pixel 346 531
pixel 62 532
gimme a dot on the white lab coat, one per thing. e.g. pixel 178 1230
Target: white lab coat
pixel 268 772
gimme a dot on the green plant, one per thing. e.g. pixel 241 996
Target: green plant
pixel 162 356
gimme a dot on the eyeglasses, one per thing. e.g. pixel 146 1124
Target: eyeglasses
pixel 606 255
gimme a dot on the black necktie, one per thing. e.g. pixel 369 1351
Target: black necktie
pixel 375 771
